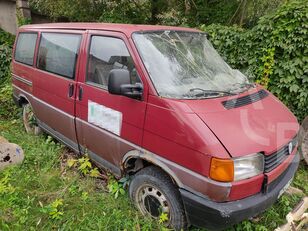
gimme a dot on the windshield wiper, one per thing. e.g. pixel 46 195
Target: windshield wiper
pixel 208 92
pixel 244 85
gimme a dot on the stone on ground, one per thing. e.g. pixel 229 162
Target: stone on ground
pixel 9 153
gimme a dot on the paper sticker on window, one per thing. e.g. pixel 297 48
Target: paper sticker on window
pixel 105 117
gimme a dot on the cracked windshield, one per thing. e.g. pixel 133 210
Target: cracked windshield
pixel 185 65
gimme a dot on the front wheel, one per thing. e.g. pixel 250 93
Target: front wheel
pixel 29 120
pixel 154 194
pixel 304 147
pixel 303 140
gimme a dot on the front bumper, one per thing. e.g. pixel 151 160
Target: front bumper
pixel 217 216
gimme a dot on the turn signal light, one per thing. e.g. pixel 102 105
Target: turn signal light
pixel 222 170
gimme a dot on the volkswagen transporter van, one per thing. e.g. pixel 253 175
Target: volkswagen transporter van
pixel 199 141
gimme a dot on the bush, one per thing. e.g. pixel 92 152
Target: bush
pixel 7 108
pixel 5 62
pixel 274 53
pixel 6 38
pixel 6 44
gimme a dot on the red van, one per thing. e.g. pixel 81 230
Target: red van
pixel 199 141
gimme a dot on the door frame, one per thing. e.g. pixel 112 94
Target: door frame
pixel 74 144
pixel 116 168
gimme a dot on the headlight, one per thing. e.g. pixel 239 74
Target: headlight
pixel 237 168
pixel 248 166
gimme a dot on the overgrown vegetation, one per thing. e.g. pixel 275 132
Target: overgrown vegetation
pixel 45 194
pixel 21 20
pixel 172 12
pixel 54 189
pixel 6 44
pixel 273 53
pixel 6 39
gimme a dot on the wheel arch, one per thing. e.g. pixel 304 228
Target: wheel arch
pixel 23 99
pixel 135 160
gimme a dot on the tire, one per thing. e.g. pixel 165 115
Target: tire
pixel 304 147
pixel 29 120
pixel 153 192
pixel 303 140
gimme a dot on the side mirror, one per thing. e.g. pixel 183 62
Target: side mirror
pixel 119 84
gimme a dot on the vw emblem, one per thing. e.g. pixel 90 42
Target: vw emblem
pixel 290 147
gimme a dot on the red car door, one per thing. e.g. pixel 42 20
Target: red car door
pixel 108 126
pixel 54 84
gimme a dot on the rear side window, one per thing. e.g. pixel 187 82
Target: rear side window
pixel 25 48
pixel 58 53
pixel 106 54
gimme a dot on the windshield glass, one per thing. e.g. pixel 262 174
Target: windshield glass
pixel 185 65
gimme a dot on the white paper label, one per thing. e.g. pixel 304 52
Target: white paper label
pixel 105 117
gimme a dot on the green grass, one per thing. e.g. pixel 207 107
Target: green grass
pixel 40 180
pixel 28 191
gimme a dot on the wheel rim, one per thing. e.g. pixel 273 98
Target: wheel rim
pixel 151 201
pixel 28 116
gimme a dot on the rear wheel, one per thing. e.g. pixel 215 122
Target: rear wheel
pixel 154 194
pixel 29 120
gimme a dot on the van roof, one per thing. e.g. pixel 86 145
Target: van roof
pixel 127 29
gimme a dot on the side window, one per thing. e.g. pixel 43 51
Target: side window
pixel 58 53
pixel 25 48
pixel 106 54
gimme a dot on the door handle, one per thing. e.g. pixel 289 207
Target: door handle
pixel 80 93
pixel 70 90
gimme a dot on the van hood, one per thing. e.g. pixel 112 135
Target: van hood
pixel 261 126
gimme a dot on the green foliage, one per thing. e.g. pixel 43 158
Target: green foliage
pixel 84 165
pixel 54 209
pixel 6 44
pixel 163 218
pixel 117 187
pixel 8 109
pixel 301 179
pixel 273 53
pixel 5 63
pixel 249 11
pixel 6 38
pixel 84 196
pixel 72 10
pixel 42 179
pixel 266 69
pixel 172 12
pixel 31 117
pixel 21 20
pixel 5 186
pixel 207 12
pixel 124 11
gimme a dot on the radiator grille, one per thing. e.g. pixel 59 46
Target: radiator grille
pixel 245 100
pixel 273 160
